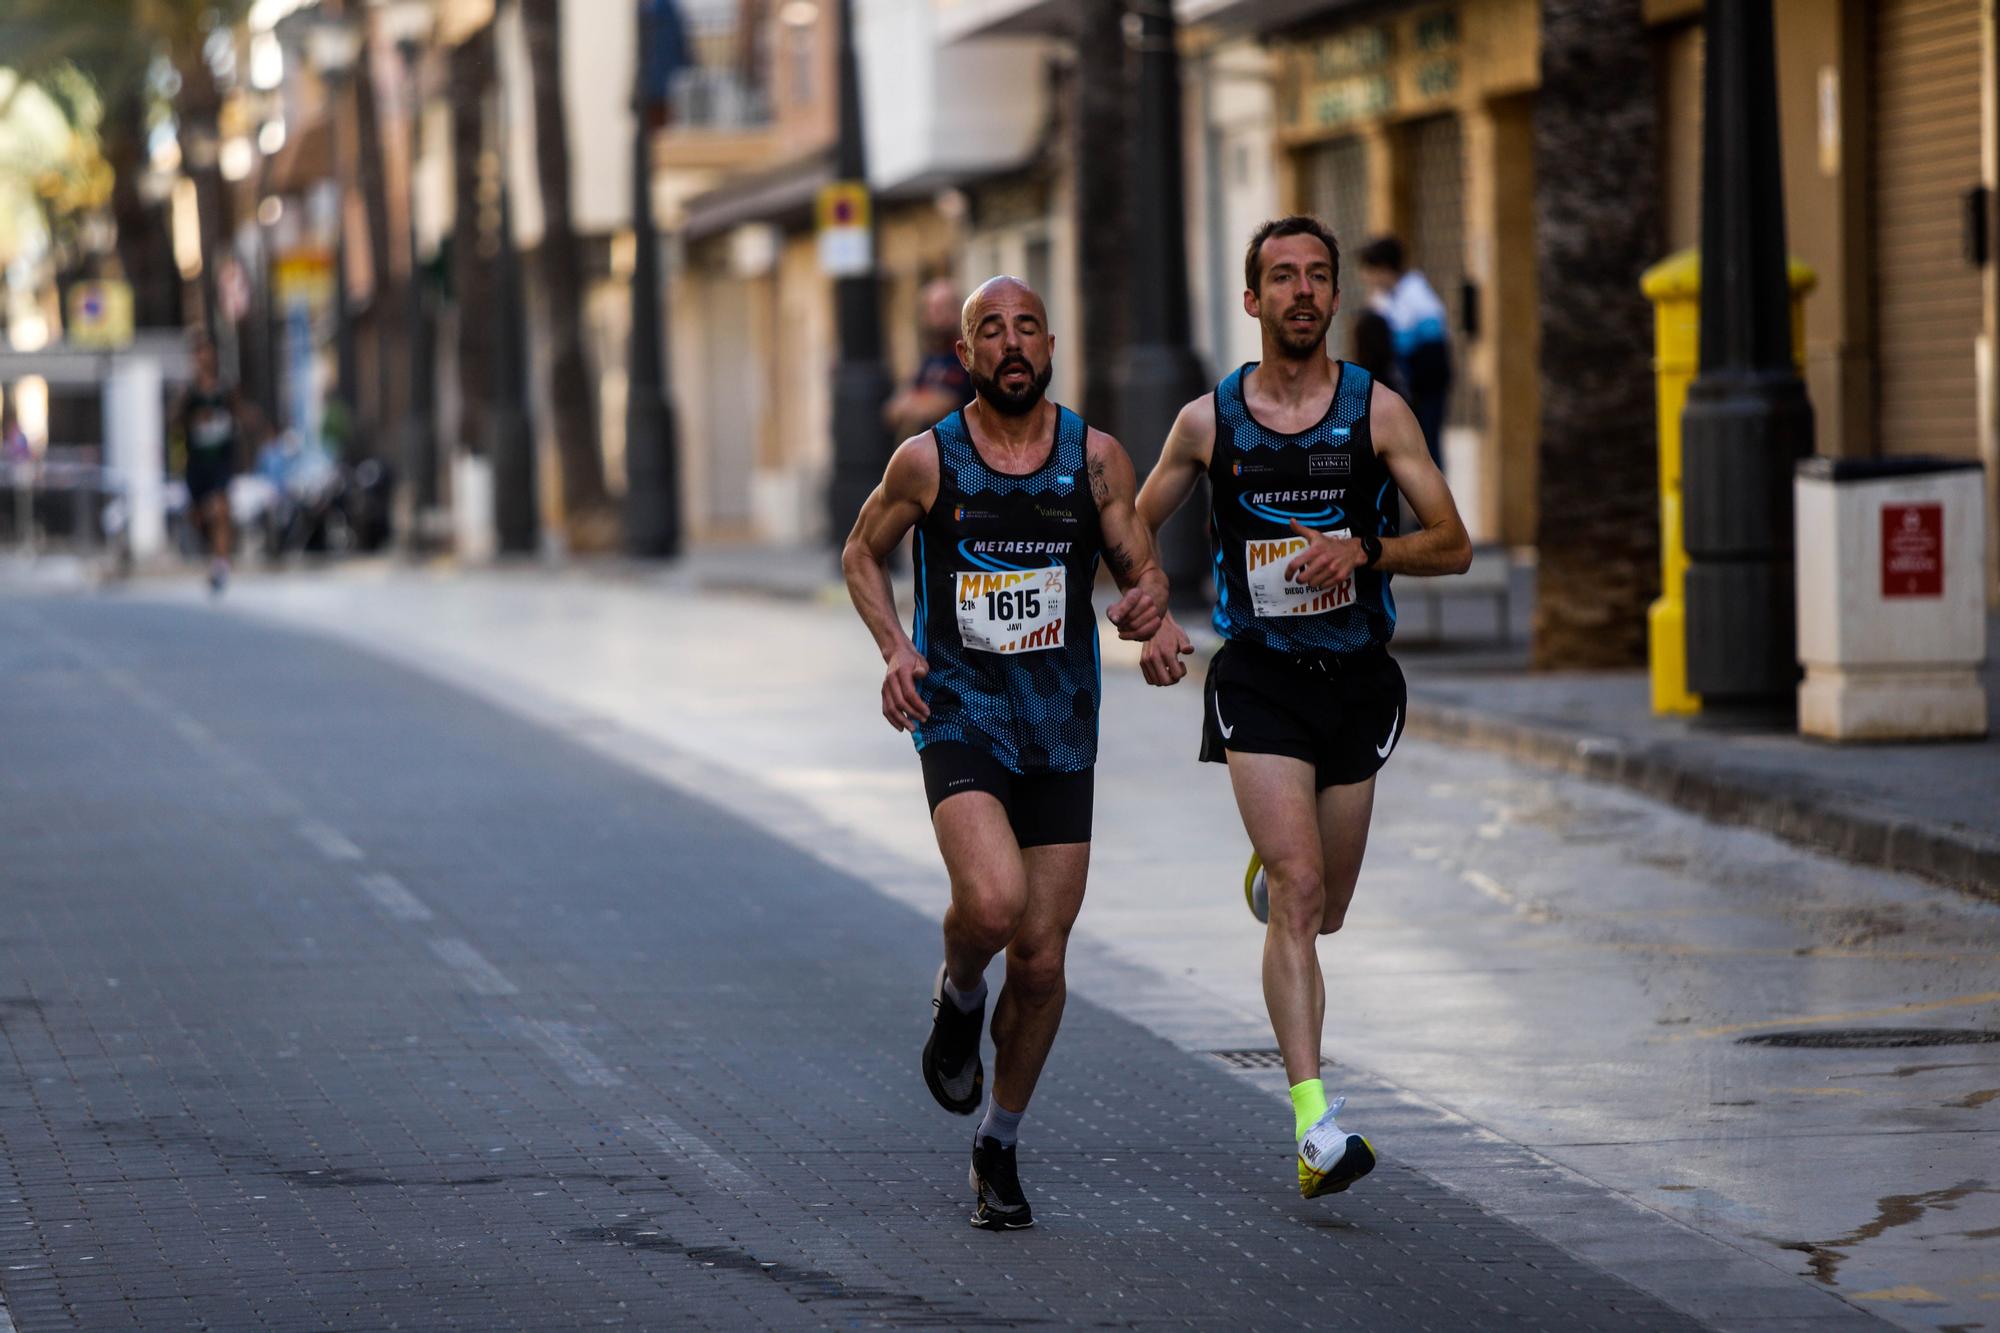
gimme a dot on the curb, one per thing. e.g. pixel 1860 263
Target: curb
pixel 1852 831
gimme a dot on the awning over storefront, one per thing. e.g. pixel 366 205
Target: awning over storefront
pixel 958 20
pixel 782 196
pixel 1259 17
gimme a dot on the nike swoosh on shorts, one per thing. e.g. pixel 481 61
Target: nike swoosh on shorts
pixel 1227 730
pixel 1382 750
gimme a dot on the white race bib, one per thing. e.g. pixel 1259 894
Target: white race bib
pixel 1012 610
pixel 1271 594
pixel 211 426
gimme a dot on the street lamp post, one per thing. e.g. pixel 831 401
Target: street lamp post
pixel 1158 371
pixel 508 441
pixel 652 447
pixel 516 525
pixel 860 380
pixel 1748 421
pixel 408 23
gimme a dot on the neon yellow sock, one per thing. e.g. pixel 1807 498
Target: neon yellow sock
pixel 1308 1105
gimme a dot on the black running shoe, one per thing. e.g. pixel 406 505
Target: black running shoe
pixel 953 1070
pixel 997 1187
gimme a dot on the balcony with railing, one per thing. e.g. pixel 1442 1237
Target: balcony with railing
pixel 722 84
pixel 750 84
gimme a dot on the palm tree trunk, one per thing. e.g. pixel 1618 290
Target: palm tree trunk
pixel 1597 228
pixel 145 241
pixel 589 520
pixel 1101 111
pixel 474 233
pixel 197 107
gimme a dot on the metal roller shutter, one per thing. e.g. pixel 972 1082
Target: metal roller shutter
pixel 1336 190
pixel 1437 229
pixel 1925 157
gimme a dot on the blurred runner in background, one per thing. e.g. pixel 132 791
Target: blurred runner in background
pixel 209 418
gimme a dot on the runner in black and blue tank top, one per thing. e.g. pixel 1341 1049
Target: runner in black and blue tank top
pixel 1013 501
pixel 1305 458
pixel 1326 478
pixel 1004 568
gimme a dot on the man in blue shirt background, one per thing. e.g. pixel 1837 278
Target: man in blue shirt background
pixel 1418 322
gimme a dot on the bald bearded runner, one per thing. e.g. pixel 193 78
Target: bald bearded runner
pixel 1014 501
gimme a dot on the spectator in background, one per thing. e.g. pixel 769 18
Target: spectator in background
pixel 14 446
pixel 1403 297
pixel 1373 348
pixel 940 385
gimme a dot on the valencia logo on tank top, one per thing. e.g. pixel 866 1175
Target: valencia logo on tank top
pixel 1004 568
pixel 1328 479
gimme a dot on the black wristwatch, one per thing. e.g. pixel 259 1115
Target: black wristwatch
pixel 1371 552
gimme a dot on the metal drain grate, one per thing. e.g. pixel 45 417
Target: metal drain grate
pixel 1266 1059
pixel 1869 1039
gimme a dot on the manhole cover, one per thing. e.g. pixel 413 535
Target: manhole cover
pixel 1868 1039
pixel 1270 1059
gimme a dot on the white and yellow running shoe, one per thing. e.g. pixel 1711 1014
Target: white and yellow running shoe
pixel 1330 1159
pixel 1257 890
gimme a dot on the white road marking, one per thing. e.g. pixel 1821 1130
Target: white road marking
pixel 829 1251
pixel 390 895
pixel 254 779
pixel 1491 887
pixel 469 963
pixel 560 1042
pixel 329 841
pixel 1539 912
pixel 670 1134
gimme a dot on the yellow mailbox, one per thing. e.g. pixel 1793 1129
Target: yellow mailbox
pixel 1674 287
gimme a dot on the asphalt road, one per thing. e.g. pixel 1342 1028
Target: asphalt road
pixel 1553 995
pixel 334 997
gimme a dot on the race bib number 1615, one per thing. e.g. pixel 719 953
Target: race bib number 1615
pixel 1011 611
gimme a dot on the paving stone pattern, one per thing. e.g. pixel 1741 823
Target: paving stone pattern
pixel 333 999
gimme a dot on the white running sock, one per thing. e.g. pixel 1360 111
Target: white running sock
pixel 966 1001
pixel 1001 1125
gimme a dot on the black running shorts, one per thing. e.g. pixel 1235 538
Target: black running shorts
pixel 207 476
pixel 1044 808
pixel 1340 712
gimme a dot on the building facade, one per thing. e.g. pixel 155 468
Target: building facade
pixel 1890 114
pixel 1417 120
pixel 1413 122
pixel 952 130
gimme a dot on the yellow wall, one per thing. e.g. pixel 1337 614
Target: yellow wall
pixel 1822 111
pixel 1824 73
pixel 1506 359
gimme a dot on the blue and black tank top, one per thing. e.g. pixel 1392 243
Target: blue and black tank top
pixel 1004 567
pixel 1329 479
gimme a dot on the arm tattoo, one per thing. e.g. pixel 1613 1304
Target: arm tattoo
pixel 1121 562
pixel 1100 489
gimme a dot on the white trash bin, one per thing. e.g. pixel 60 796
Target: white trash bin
pixel 1891 598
